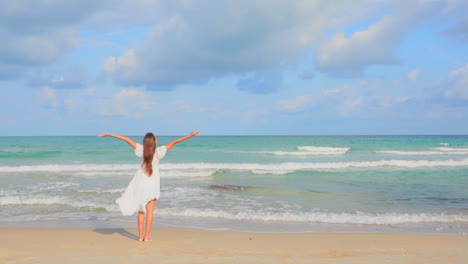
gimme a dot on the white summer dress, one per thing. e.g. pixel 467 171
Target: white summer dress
pixel 142 188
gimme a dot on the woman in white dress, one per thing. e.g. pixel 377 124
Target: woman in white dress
pixel 143 190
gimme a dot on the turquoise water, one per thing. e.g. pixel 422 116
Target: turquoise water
pixel 260 183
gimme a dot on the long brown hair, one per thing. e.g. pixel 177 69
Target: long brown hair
pixel 149 148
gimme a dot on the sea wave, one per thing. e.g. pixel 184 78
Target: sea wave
pixel 312 150
pixel 207 169
pixel 451 149
pixel 98 190
pixel 20 200
pixel 431 151
pixel 316 217
pixel 167 173
pixel 53 185
pixel 295 166
pixel 12 150
pixel 51 200
pixel 65 167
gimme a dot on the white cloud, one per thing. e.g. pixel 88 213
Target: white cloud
pixel 183 106
pixel 254 116
pixel 72 77
pixel 337 90
pixel 35 33
pixel 198 41
pixel 460 30
pixel 350 56
pixel 351 105
pixel 457 10
pixel 396 82
pixel 116 16
pixel 126 60
pixel 457 84
pixel 413 75
pixel 298 104
pixel 57 80
pixel 402 99
pixel 331 91
pixel 128 103
pixel 388 101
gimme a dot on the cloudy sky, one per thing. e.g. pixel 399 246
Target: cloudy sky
pixel 244 67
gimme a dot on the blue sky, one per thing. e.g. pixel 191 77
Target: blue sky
pixel 241 67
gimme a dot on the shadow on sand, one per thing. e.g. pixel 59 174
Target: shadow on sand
pixel 120 231
pixel 107 228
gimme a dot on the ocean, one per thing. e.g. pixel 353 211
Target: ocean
pixel 244 183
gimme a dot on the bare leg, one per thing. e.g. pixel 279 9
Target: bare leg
pixel 141 219
pixel 149 218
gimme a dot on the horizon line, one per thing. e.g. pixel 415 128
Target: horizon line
pixel 246 135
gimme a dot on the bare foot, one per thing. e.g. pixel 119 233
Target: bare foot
pixel 147 239
pixel 141 239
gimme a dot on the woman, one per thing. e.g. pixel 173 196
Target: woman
pixel 144 189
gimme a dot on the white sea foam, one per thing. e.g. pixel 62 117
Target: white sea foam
pixel 444 144
pixel 47 186
pixel 63 167
pixel 432 151
pixel 12 150
pixel 55 185
pixel 17 200
pixel 301 151
pixel 311 150
pixel 292 153
pixel 207 169
pixel 41 217
pixel 451 149
pixel 101 173
pixel 50 200
pixel 357 218
pixel 294 166
pixel 274 172
pixel 187 173
pixel 324 150
pixel 104 170
pixel 250 215
pixel 400 152
pixel 117 190
pixel 169 173
pixel 316 217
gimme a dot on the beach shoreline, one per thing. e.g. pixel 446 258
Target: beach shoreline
pixel 234 225
pixel 189 245
pixel 316 184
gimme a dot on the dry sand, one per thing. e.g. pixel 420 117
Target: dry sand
pixel 185 245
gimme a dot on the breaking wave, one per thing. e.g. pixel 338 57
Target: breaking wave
pixel 317 217
pixel 312 150
pixel 431 151
pixel 207 169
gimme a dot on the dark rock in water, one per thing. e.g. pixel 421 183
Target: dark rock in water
pixel 229 187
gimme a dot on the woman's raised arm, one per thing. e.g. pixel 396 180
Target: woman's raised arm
pixel 173 143
pixel 126 139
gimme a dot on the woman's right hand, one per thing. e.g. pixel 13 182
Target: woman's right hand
pixel 194 133
pixel 104 135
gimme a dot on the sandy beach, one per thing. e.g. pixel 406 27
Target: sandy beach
pixel 185 245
